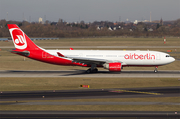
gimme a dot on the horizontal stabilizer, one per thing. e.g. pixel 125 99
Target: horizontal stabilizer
pixel 24 53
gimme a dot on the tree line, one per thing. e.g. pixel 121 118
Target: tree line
pixel 82 29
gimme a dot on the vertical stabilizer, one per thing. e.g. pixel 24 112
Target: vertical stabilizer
pixel 21 41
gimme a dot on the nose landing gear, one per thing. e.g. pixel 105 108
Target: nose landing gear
pixel 155 71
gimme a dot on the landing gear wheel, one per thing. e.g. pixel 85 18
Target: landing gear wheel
pixel 92 71
pixel 88 71
pixel 155 71
pixel 95 70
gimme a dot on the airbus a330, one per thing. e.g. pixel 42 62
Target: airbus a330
pixel 113 60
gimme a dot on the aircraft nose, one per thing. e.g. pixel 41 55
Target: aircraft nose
pixel 172 59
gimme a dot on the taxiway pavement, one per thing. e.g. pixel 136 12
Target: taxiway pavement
pixel 90 94
pixel 88 114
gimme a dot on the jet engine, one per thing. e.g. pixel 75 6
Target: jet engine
pixel 113 67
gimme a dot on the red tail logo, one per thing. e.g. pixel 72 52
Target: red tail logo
pixel 19 38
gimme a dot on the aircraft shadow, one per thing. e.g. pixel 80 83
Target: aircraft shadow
pixel 83 72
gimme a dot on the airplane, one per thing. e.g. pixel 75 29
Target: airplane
pixel 113 60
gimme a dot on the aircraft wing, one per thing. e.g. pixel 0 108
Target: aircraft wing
pixel 88 60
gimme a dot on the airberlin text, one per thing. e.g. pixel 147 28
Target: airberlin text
pixel 141 56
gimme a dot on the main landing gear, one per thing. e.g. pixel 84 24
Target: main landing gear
pixel 155 71
pixel 93 69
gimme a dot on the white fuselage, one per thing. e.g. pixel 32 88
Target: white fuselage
pixel 127 58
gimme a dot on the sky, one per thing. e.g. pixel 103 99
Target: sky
pixel 89 10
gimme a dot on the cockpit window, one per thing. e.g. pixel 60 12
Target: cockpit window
pixel 168 56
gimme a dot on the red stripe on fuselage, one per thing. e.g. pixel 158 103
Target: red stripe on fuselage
pixel 43 56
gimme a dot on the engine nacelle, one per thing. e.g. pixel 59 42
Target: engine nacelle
pixel 114 67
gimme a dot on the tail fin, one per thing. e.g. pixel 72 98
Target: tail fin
pixel 21 41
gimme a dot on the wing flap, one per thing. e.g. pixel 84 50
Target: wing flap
pixel 88 60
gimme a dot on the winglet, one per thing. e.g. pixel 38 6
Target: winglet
pixel 71 49
pixel 60 55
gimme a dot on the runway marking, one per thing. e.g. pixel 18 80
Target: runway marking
pixel 120 91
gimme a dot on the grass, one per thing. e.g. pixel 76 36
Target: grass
pixel 149 99
pixel 112 42
pixel 91 107
pixel 106 41
pixel 98 107
pixel 30 84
